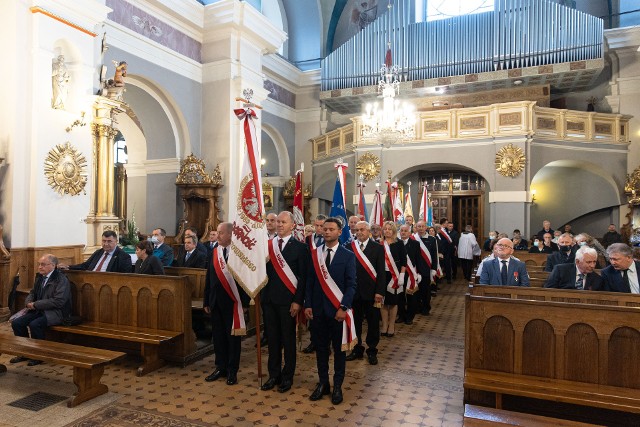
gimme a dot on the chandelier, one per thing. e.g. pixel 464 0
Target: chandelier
pixel 395 120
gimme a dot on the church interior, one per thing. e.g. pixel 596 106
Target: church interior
pixel 119 116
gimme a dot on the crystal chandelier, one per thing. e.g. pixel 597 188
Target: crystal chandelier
pixel 395 120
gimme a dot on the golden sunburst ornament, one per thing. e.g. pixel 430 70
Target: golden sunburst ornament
pixel 368 166
pixel 510 160
pixel 65 169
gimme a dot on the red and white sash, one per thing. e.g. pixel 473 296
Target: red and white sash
pixel 412 277
pixel 334 294
pixel 363 260
pixel 392 268
pixel 424 252
pixel 281 267
pixel 230 287
pixel 445 235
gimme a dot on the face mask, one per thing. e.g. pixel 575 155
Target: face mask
pixel 564 248
pixel 536 242
pixel 153 239
pixel 582 244
pixel 554 240
pixel 491 237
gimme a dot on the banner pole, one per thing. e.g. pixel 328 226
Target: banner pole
pixel 258 347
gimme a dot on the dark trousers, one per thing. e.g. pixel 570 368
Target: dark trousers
pixel 361 310
pixel 424 295
pixel 225 345
pixel 412 305
pixel 454 266
pixel 467 266
pixel 281 333
pixel 402 306
pixel 445 264
pixel 35 320
pixel 328 331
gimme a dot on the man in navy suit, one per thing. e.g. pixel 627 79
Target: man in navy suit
pixel 326 320
pixel 566 253
pixel 579 275
pixel 622 274
pixel 163 251
pixel 109 258
pixel 313 241
pixel 504 269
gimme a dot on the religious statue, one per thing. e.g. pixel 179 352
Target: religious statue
pixel 114 88
pixel 60 82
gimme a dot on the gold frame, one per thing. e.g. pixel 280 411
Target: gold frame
pixel 510 161
pixel 65 169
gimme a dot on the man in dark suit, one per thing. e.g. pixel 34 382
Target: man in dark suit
pixel 191 257
pixel 108 258
pixel 566 253
pixel 161 250
pixel 424 288
pixel 455 239
pixel 407 310
pixel 282 299
pixel 579 275
pixel 445 247
pixel 313 241
pixel 48 302
pixel 546 228
pixel 371 286
pixel 220 305
pixel 504 269
pixel 328 320
pixel 192 231
pixel 623 273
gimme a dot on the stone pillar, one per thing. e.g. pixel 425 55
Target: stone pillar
pixel 101 215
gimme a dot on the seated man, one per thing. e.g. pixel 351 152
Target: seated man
pixel 566 253
pixel 623 273
pixel 504 269
pixel 579 275
pixel 546 228
pixel 160 249
pixel 190 257
pixel 47 304
pixel 108 258
pixel 519 244
pixel 544 246
pixel 611 236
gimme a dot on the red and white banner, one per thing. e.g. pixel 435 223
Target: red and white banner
pixel 424 205
pixel 424 252
pixel 229 285
pixel 377 216
pixel 247 260
pixel 363 260
pixel 412 277
pixel 391 267
pixel 398 216
pixel 281 267
pixel 298 208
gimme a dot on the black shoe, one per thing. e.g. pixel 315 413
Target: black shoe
pixel 383 334
pixel 17 359
pixel 264 342
pixel 354 355
pixel 217 374
pixel 400 320
pixel 425 312
pixel 336 397
pixel 285 386
pixel 309 349
pixel 321 390
pixel 232 378
pixel 373 359
pixel 408 322
pixel 34 362
pixel 390 335
pixel 270 384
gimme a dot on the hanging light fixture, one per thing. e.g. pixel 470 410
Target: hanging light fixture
pixel 395 120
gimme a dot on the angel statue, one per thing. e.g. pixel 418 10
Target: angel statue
pixel 114 88
pixel 59 82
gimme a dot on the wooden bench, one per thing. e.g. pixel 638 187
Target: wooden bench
pixel 88 363
pixel 480 416
pixel 134 313
pixel 565 346
pixel 196 277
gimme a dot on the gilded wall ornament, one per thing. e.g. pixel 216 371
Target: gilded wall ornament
pixel 290 188
pixel 510 160
pixel 368 166
pixel 65 169
pixel 632 187
pixel 192 171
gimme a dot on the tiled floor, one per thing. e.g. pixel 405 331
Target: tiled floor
pixel 417 382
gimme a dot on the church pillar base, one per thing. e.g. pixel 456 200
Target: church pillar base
pixel 96 226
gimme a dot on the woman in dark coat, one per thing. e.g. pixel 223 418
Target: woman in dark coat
pixel 147 263
pixel 393 297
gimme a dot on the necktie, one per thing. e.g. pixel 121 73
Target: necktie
pixel 280 244
pixel 625 280
pixel 104 257
pixel 186 257
pixel 328 259
pixel 503 272
pixel 580 281
pixel 318 242
pixel 362 246
pixel 224 253
pixel 44 282
pixel 211 245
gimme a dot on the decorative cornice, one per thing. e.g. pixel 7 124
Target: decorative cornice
pixel 620 38
pixel 84 15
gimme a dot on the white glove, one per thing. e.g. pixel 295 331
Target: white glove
pixel 401 279
pixel 418 278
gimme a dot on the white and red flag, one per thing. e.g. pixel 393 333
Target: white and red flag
pixel 362 204
pixel 249 250
pixel 408 207
pixel 425 208
pixel 377 217
pixel 298 208
pixel 398 216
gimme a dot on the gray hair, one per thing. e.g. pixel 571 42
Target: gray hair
pixel 620 248
pixel 290 215
pixel 586 250
pixel 365 223
pixel 321 217
pixel 193 238
pixel 52 259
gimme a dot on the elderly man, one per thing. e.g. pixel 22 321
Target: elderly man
pixel 191 257
pixel 579 275
pixel 353 221
pixel 566 253
pixel 546 228
pixel 622 274
pixel 376 232
pixel 108 258
pixel 611 236
pixel 270 224
pixel 504 269
pixel 371 286
pixel 162 251
pixel 417 270
pixel 48 302
pixel 429 254
pixel 317 238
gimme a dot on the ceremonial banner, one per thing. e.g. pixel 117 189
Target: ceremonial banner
pixel 247 259
pixel 425 206
pixel 338 206
pixel 408 207
pixel 298 208
pixel 388 200
pixel 376 211
pixel 362 205
pixel 398 216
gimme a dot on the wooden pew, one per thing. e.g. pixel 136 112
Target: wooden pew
pixel 529 259
pixel 197 279
pixel 479 416
pixel 88 363
pixel 567 346
pixel 134 312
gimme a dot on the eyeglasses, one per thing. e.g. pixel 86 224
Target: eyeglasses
pixel 504 246
pixel 43 264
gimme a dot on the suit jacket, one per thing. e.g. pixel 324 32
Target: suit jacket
pixel 366 287
pixel 412 247
pixel 560 257
pixel 432 246
pixel 309 239
pixel 120 262
pixel 612 279
pixel 200 248
pixel 216 297
pixel 196 260
pixel 54 300
pixel 491 273
pixel 296 254
pixel 343 271
pixel 164 252
pixel 151 265
pixel 563 276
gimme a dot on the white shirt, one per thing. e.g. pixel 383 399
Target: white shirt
pixel 106 262
pixel 285 240
pixel 632 274
pixel 364 244
pixel 333 251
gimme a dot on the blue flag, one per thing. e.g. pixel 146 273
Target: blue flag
pixel 338 210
